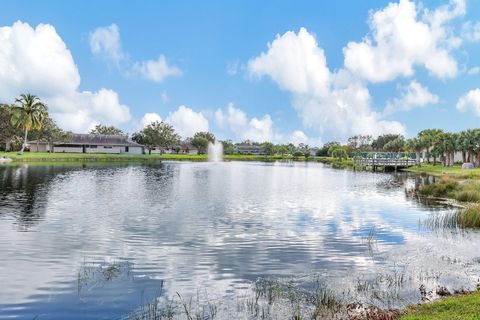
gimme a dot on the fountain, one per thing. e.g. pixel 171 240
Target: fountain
pixel 215 151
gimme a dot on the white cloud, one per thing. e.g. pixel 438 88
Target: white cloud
pixel 413 95
pixel 299 136
pixel 474 70
pixel 470 102
pixel 156 70
pixel 150 117
pixel 471 31
pixel 105 41
pixel 335 102
pixel 187 122
pixel 400 40
pixel 254 129
pixel 295 62
pixel 36 60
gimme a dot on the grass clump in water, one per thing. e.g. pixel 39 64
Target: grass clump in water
pixel 445 188
pixel 469 217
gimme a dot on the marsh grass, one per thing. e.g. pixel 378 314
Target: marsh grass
pixel 98 274
pixel 466 218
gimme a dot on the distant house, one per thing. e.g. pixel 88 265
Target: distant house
pixel 90 143
pixel 313 151
pixel 185 148
pixel 249 149
pixel 188 148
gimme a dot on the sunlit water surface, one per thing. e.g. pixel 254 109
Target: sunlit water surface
pixel 211 227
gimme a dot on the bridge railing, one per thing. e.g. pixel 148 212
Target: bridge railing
pixel 384 162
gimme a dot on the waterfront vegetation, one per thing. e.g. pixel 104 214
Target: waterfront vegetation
pixel 462 307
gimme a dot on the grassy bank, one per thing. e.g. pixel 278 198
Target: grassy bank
pixel 465 307
pixel 439 170
pixel 80 157
pixel 83 157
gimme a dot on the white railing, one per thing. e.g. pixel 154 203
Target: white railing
pixel 384 162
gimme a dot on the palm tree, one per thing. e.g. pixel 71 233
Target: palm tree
pixel 29 114
pixel 417 145
pixel 430 136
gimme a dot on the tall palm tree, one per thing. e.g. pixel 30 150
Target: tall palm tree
pixel 29 113
pixel 417 145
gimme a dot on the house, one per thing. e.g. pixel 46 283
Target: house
pixel 249 149
pixel 185 148
pixel 188 148
pixel 90 143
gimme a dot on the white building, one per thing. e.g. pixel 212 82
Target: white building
pixel 90 143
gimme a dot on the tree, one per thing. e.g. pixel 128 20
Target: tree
pixel 51 133
pixel 228 147
pixel 395 145
pixel 282 149
pixel 157 134
pixel 28 114
pixel 201 139
pixel 305 149
pixel 8 132
pixel 268 148
pixel 102 129
pixel 416 145
pixel 339 152
pixel 323 151
pixel 380 142
pixel 430 136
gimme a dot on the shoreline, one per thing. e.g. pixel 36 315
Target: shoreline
pixel 28 157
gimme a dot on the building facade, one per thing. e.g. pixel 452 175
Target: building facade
pixel 90 143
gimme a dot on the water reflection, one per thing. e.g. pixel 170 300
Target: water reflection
pixel 218 226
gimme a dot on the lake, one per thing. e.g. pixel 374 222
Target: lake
pixel 97 241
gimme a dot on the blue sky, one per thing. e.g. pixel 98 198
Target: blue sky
pixel 199 65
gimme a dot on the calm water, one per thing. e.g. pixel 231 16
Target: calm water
pixel 212 227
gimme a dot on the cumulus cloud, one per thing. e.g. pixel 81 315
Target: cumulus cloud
pixel 400 39
pixel 470 102
pixel 236 120
pixel 156 70
pixel 412 96
pixel 36 60
pixel 336 102
pixel 295 62
pixel 187 122
pixel 150 117
pixel 105 42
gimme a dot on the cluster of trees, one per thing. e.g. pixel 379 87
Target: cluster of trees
pixel 436 144
pixel 27 117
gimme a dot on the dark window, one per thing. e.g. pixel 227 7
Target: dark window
pixel 126 149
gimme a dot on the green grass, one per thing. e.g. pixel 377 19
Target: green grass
pixel 83 157
pixel 65 157
pixel 439 170
pixel 465 307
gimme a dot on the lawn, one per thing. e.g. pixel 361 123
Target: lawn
pixel 439 170
pixel 465 307
pixel 85 157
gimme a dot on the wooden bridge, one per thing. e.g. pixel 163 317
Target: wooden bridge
pixel 385 163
